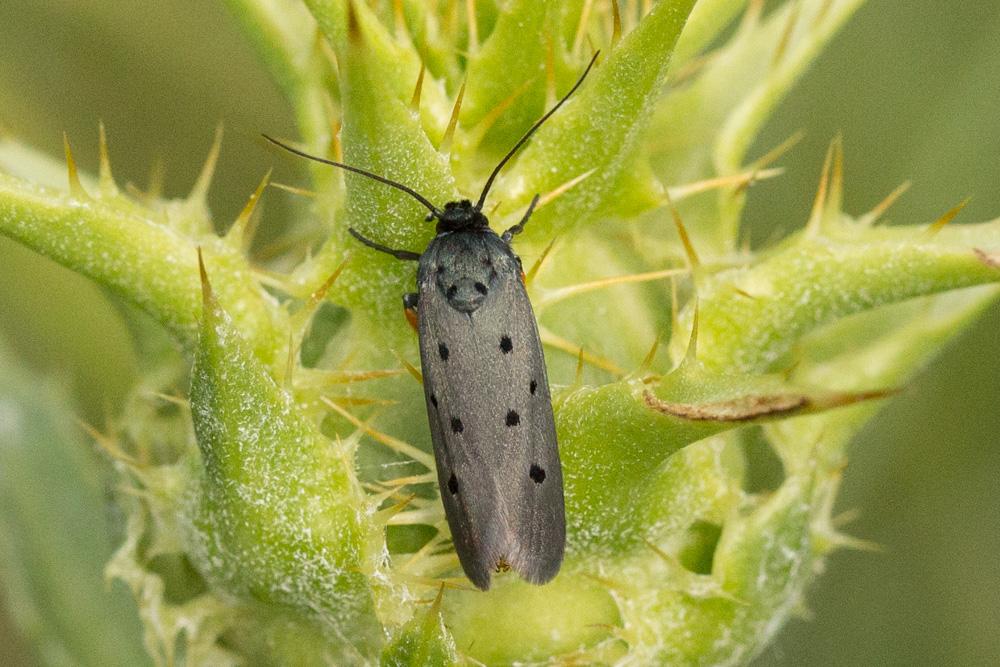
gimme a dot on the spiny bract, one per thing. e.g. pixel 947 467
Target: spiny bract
pixel 284 508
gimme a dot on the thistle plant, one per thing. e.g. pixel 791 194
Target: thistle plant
pixel 274 488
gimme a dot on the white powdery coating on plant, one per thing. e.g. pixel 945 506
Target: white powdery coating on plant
pixel 276 514
pixel 272 510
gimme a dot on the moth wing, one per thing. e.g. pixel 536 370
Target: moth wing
pixel 493 430
pixel 531 478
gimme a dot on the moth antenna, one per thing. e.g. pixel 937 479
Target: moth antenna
pixel 531 131
pixel 381 179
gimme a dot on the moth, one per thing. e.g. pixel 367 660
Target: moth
pixel 485 385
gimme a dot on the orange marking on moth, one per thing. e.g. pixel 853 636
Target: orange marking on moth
pixel 411 317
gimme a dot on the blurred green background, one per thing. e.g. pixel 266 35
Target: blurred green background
pixel 912 85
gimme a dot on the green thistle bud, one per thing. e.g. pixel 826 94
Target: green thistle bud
pixel 284 510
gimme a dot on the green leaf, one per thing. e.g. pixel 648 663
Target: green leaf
pixel 601 130
pixel 275 513
pixel 383 135
pixel 284 35
pixel 610 455
pixel 137 253
pixel 704 127
pixel 515 621
pixel 751 317
pixel 898 342
pixel 423 642
pixel 616 457
pixel 759 564
pixel 497 74
pixel 708 18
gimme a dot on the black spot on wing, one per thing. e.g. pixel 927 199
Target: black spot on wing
pixel 537 473
pixel 481 288
pixel 443 351
pixel 505 344
pixel 434 400
pixel 513 419
pixel 452 291
pixel 453 484
pixel 532 388
pixel 456 425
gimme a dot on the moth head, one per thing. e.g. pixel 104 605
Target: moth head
pixel 459 215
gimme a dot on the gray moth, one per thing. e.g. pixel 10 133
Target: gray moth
pixel 485 385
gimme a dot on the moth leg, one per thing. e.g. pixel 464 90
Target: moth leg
pixel 398 254
pixel 410 308
pixel 519 227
